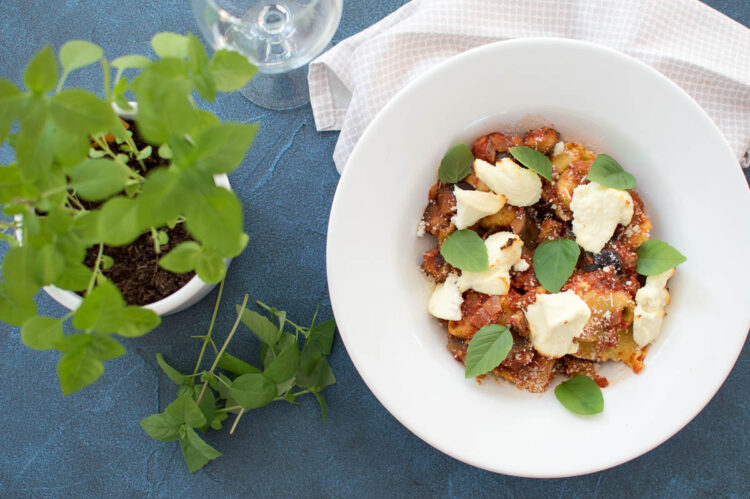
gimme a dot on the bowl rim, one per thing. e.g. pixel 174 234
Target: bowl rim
pixel 355 355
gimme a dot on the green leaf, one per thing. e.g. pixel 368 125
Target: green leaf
pixel 232 364
pixel 230 70
pixel 656 257
pixel 465 250
pixel 215 217
pixel 253 390
pixel 18 271
pixel 78 370
pixel 533 160
pixel 196 452
pixel 198 62
pixel 97 179
pixel 79 111
pixel 79 53
pixel 171 372
pixel 182 258
pixel 207 405
pixel 209 266
pixel 554 263
pixel 118 221
pixel 70 148
pixel 487 349
pixel 456 164
pixel 608 172
pixel 48 265
pixel 185 410
pixel 11 103
pixel 314 372
pixel 131 61
pixel 104 347
pixel 86 227
pixel 320 337
pixel 101 310
pixel 581 395
pixel 41 73
pixel 137 321
pixel 167 44
pixel 107 262
pixel 41 332
pixel 11 185
pixel 220 148
pixel 161 427
pixel 285 364
pixel 14 309
pixel 74 277
pixel 263 328
pixel 35 143
pixel 144 153
pixel 162 198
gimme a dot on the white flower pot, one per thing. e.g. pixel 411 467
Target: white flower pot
pixel 188 295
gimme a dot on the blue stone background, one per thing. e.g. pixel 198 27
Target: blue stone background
pixel 90 443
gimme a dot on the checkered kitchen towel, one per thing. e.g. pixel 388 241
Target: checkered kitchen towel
pixel 700 49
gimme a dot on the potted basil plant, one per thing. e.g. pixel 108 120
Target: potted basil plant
pixel 121 212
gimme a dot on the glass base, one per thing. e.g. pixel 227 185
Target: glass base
pixel 279 91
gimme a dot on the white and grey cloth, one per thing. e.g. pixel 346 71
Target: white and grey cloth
pixel 700 49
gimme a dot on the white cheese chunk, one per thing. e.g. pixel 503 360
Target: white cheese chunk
pixel 555 321
pixel 559 148
pixel 521 266
pixel 421 228
pixel 520 186
pixel 504 251
pixel 596 212
pixel 474 205
pixel 650 307
pixel 446 299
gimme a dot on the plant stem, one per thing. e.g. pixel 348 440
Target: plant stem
pixel 207 338
pixel 271 311
pixel 236 420
pixel 155 239
pixel 106 75
pixel 96 269
pixel 223 347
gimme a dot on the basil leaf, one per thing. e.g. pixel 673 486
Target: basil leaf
pixel 118 222
pixel 41 332
pixel 167 44
pixel 79 53
pixel 230 70
pixel 554 263
pixel 182 258
pixel 101 309
pixel 185 410
pixel 465 250
pixel 41 73
pixel 170 371
pixel 234 365
pixel 253 390
pixel 456 164
pixel 97 179
pixel 161 427
pixel 487 349
pixel 82 112
pixel 581 395
pixel 78 370
pixel 130 61
pixel 320 337
pixel 260 325
pixel 285 364
pixel 656 257
pixel 196 452
pixel 533 160
pixel 137 321
pixel 608 172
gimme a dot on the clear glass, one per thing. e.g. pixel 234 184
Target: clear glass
pixel 280 37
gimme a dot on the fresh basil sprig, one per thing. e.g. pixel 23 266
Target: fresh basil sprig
pixel 608 172
pixel 465 250
pixel 533 160
pixel 294 364
pixel 554 262
pixel 581 395
pixel 487 349
pixel 656 257
pixel 456 164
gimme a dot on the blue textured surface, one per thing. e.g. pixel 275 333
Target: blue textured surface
pixel 90 444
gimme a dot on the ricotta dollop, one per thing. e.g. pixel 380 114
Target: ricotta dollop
pixel 471 206
pixel 503 251
pixel 555 320
pixel 520 186
pixel 446 299
pixel 596 212
pixel 650 308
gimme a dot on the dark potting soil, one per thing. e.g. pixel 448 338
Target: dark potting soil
pixel 136 271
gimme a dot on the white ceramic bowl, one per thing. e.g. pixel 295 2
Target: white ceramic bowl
pixel 187 296
pixel 694 192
